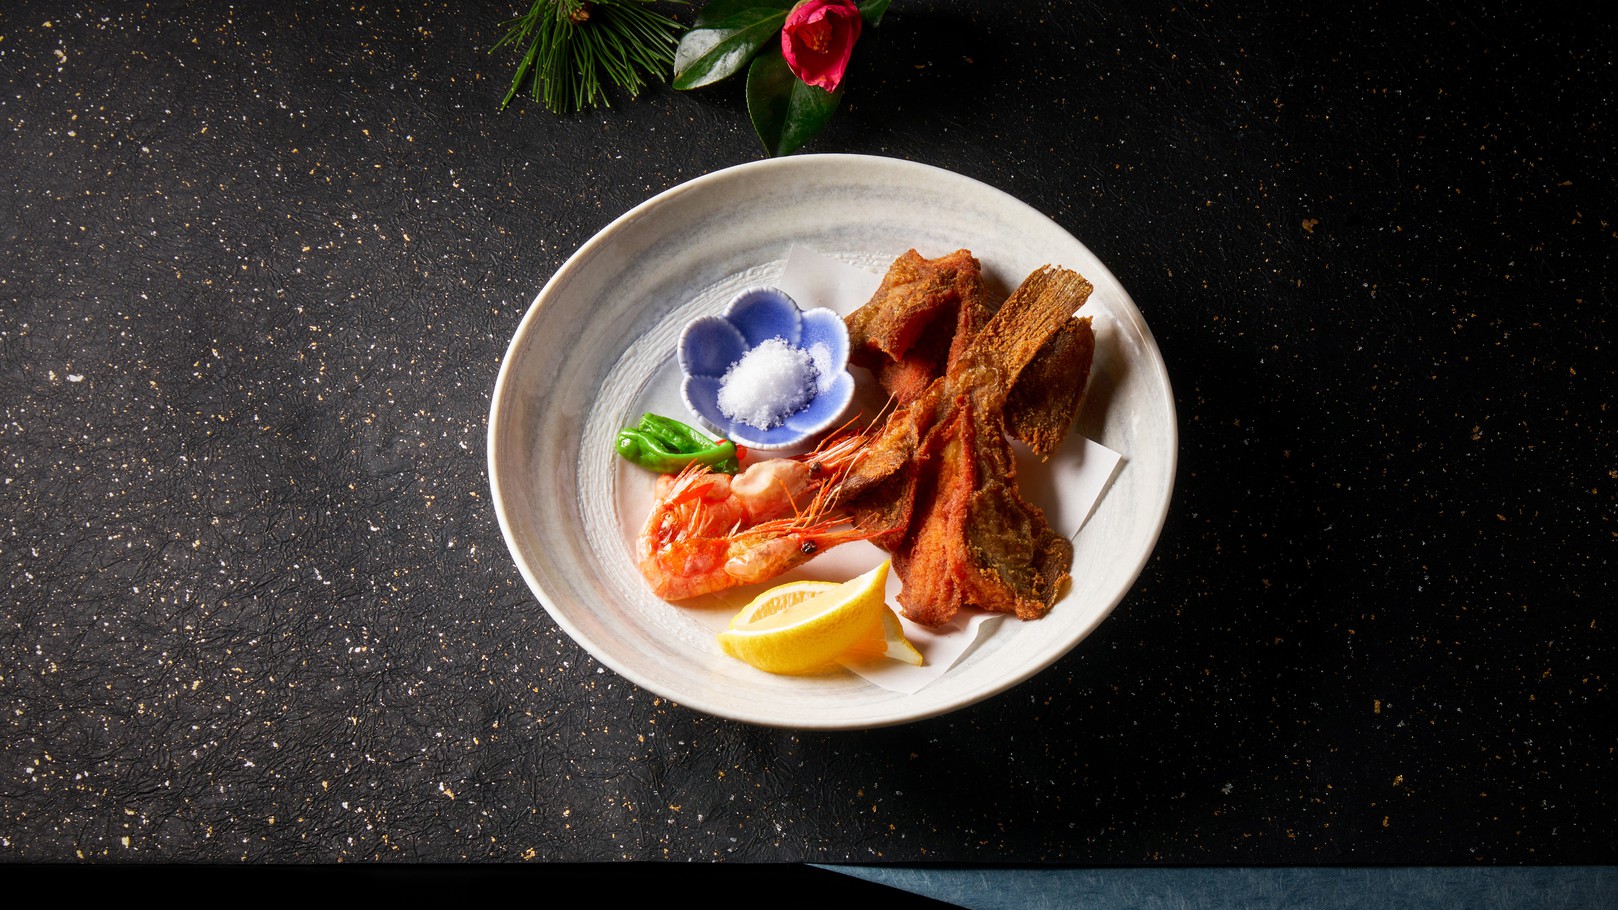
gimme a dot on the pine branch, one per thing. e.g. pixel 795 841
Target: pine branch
pixel 570 49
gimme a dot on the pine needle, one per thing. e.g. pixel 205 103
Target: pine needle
pixel 571 49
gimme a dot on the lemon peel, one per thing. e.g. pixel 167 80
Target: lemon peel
pixel 891 644
pixel 804 626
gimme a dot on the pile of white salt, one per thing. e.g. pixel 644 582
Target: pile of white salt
pixel 772 382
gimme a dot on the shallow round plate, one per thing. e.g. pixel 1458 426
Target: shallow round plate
pixel 598 346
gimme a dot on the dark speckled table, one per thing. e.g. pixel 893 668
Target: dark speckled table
pixel 261 263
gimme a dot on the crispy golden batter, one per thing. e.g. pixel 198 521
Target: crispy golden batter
pixel 938 482
pixel 1046 397
pixel 918 320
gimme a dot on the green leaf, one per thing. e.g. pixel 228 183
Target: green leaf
pixel 707 55
pixel 871 11
pixel 785 111
pixel 718 13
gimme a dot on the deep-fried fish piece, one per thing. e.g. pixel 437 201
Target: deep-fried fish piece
pixel 996 550
pixel 879 490
pixel 918 320
pixel 1019 564
pixel 941 472
pixel 973 540
pixel 1011 339
pixel 1050 391
pixel 914 292
pixel 989 364
pixel 931 560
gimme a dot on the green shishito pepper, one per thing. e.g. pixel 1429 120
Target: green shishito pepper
pixel 666 446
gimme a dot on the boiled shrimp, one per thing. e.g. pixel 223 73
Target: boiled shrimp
pixel 709 531
pixel 687 568
pixel 699 502
pixel 679 566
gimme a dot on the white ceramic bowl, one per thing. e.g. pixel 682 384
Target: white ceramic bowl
pixel 597 347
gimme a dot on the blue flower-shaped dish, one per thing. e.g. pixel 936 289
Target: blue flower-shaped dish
pixel 710 345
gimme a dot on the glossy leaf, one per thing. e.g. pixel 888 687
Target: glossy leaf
pixel 785 112
pixel 871 11
pixel 707 55
pixel 719 13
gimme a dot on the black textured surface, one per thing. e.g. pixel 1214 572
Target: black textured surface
pixel 260 266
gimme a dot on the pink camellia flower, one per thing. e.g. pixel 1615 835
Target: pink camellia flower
pixel 817 39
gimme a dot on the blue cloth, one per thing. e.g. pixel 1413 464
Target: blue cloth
pixel 1382 888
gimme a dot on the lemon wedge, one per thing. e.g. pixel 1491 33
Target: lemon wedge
pixel 892 645
pixel 779 598
pixel 803 626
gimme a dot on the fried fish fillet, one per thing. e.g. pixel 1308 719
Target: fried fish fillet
pixel 939 479
pixel 1047 396
pixel 919 319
